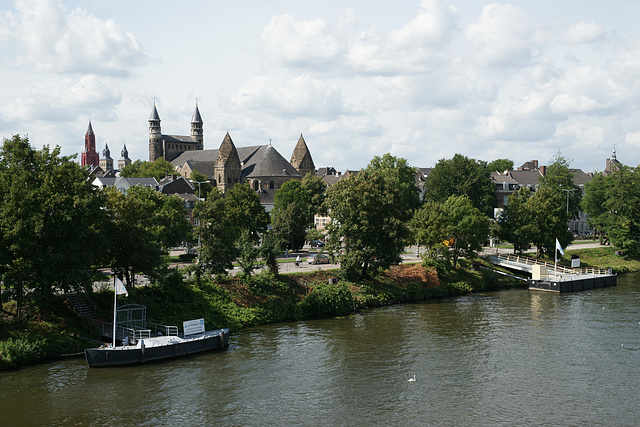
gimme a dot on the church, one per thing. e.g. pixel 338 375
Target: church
pixel 261 166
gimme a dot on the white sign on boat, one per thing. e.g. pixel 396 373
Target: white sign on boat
pixel 192 327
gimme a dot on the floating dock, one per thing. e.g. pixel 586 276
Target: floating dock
pixel 574 283
pixel 554 278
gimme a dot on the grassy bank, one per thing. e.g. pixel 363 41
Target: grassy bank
pixel 261 299
pixel 602 257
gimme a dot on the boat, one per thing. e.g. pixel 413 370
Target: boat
pixel 156 348
pixel 140 344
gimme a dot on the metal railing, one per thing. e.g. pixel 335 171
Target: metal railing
pixel 134 334
pixel 523 260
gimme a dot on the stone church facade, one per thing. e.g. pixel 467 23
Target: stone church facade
pixel 261 166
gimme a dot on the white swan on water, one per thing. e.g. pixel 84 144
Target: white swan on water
pixel 412 379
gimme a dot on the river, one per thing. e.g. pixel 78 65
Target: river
pixel 507 358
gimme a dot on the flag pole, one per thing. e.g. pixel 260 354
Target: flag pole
pixel 115 303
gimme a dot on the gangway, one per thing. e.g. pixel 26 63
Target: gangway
pixel 557 278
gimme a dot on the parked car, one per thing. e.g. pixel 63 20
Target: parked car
pixel 318 259
pixel 317 244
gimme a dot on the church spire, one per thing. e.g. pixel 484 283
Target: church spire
pixel 301 158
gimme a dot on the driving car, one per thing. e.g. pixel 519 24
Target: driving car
pixel 318 259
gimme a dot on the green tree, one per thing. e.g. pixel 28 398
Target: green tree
pixel 547 220
pixel 594 201
pixel 144 225
pixel 316 189
pixel 559 177
pixel 289 226
pixel 51 222
pixel 369 214
pixel 245 211
pixel 218 235
pixel 291 213
pixel 454 228
pixel 514 220
pixel 157 169
pixel 461 176
pixel 500 165
pixel 619 212
pixel 270 248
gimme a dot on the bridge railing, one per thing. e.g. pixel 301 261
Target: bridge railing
pixel 520 259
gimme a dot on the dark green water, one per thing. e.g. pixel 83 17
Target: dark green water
pixel 505 358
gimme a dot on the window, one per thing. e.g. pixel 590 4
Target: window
pixel 271 185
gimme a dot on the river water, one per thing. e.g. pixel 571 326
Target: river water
pixel 508 358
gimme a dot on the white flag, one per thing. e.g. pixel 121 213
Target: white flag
pixel 558 247
pixel 120 289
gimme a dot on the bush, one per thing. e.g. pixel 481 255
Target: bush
pixel 441 266
pixel 14 353
pixel 327 300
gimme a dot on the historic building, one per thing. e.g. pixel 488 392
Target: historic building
pixel 171 146
pixel 261 166
pixel 124 158
pixel 106 162
pixel 90 155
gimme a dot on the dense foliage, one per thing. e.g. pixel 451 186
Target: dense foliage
pixel 613 205
pixel 157 169
pixel 452 229
pixel 50 221
pixel 540 217
pixel 369 216
pixel 462 176
pixel 144 224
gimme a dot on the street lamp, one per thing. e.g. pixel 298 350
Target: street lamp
pixel 199 182
pixel 198 224
pixel 568 191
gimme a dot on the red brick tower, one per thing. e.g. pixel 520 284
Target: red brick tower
pixel 90 155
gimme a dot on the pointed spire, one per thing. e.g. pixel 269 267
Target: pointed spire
pixel 124 153
pixel 89 129
pixel 196 116
pixel 613 156
pixel 106 153
pixel 154 114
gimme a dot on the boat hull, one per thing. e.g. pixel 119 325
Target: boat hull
pixel 156 349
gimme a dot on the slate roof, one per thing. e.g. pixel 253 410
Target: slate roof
pixel 256 161
pixel 579 177
pixel 178 138
pixel 196 116
pixel 526 178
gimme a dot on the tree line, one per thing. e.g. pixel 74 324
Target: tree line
pixel 57 229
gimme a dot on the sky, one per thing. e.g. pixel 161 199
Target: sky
pixel 422 80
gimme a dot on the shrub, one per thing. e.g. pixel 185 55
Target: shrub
pixel 327 300
pixel 18 352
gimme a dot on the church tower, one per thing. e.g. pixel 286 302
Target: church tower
pixel 106 162
pixel 90 155
pixel 301 158
pixel 196 129
pixel 124 158
pixel 155 136
pixel 227 168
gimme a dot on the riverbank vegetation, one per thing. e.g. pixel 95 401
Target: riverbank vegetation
pixel 236 302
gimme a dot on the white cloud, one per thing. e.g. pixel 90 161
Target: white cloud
pixel 502 37
pixel 299 43
pixel 586 32
pixel 55 40
pixel 63 99
pixel 633 139
pixel 299 96
pixel 587 90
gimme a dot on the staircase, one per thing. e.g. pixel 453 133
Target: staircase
pixel 83 305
